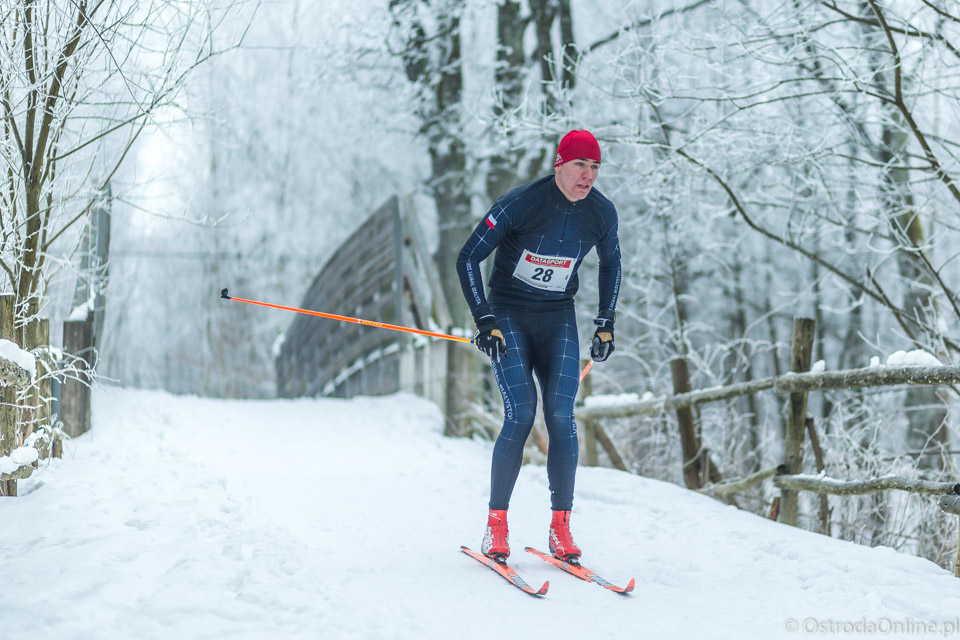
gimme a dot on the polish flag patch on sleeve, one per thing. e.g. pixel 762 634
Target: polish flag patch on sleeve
pixel 491 221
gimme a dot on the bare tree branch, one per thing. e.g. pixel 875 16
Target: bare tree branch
pixel 907 32
pixel 902 106
pixel 639 24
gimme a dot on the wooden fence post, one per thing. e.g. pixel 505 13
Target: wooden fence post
pixel 689 439
pixel 45 365
pixel 6 317
pixel 950 503
pixel 36 412
pixel 8 397
pixel 45 386
pixel 801 353
pixel 818 457
pixel 75 395
pixel 615 458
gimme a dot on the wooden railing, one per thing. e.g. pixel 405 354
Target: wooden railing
pixel 700 473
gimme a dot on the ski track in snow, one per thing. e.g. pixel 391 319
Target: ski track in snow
pixel 339 519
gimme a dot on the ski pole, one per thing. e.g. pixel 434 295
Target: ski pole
pixel 333 316
pixel 369 323
pixel 586 369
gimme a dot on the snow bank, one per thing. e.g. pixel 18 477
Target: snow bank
pixel 342 519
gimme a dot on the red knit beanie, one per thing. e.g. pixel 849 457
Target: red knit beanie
pixel 579 143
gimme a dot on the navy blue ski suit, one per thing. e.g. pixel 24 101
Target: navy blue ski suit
pixel 541 239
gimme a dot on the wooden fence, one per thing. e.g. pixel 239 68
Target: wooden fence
pixel 38 408
pixel 31 413
pixel 383 272
pixel 702 475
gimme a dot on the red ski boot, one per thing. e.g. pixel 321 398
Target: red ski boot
pixel 561 541
pixel 496 541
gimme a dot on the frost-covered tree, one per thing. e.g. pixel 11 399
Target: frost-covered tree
pixel 79 83
pixel 296 138
pixel 428 40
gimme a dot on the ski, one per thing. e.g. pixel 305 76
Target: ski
pixel 507 572
pixel 577 569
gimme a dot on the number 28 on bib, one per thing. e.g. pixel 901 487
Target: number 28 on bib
pixel 550 273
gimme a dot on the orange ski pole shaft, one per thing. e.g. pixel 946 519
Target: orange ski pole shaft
pixel 586 369
pixel 333 316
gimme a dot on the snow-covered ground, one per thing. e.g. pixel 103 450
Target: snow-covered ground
pixel 179 517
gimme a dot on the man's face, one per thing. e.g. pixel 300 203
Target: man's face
pixel 575 178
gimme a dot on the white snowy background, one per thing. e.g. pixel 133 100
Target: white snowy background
pixel 181 517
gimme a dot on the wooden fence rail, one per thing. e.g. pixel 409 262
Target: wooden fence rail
pixel 833 486
pixel 737 486
pixel 827 485
pixel 787 383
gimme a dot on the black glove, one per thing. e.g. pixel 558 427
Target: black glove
pixel 602 345
pixel 489 339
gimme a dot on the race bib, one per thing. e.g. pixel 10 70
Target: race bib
pixel 550 273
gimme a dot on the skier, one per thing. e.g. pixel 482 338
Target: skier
pixel 542 231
